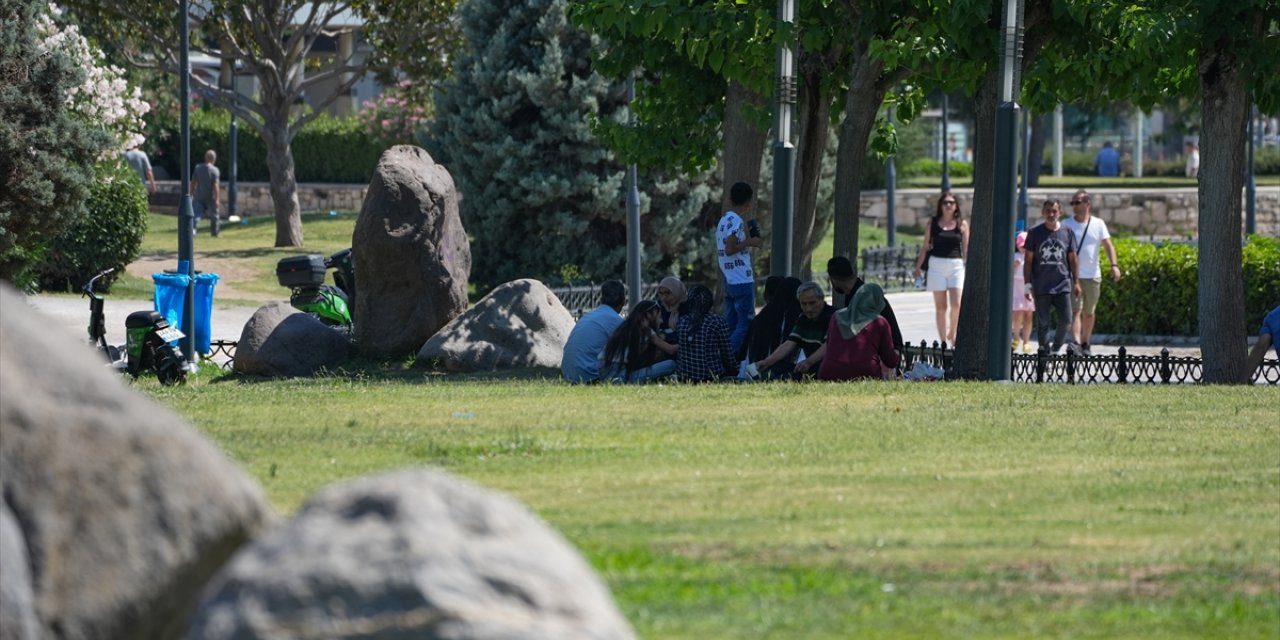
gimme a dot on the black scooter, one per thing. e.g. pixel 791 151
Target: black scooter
pixel 147 342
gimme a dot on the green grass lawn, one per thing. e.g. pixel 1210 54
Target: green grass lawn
pixel 881 510
pixel 249 244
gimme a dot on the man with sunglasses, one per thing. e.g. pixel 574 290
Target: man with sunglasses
pixel 1091 236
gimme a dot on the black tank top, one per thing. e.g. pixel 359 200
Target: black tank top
pixel 946 244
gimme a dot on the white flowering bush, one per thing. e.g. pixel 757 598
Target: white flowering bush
pixel 105 97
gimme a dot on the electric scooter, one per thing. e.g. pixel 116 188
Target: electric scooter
pixel 148 340
pixel 305 278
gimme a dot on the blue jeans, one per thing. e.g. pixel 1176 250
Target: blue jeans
pixel 618 374
pixel 739 309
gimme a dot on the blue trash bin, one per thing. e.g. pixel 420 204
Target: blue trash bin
pixel 171 293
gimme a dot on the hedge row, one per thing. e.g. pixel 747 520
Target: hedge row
pixel 1076 163
pixel 1158 294
pixel 328 149
pixel 110 236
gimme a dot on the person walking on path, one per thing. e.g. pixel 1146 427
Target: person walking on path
pixel 585 344
pixel 1193 160
pixel 734 241
pixel 1023 308
pixel 1091 235
pixel 1107 164
pixel 1050 272
pixel 208 196
pixel 137 158
pixel 946 246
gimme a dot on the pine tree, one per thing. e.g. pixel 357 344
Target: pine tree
pixel 541 196
pixel 47 154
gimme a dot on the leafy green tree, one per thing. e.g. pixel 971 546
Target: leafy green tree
pixel 47 151
pixel 542 196
pixel 275 41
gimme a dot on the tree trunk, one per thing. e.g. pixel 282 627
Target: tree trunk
pixel 975 313
pixel 1221 278
pixel 284 185
pixel 744 140
pixel 862 103
pixel 814 125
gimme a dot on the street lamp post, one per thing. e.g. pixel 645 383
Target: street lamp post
pixel 186 224
pixel 1251 185
pixel 633 208
pixel 890 189
pixel 946 145
pixel 784 152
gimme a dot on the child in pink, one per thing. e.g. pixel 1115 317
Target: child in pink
pixel 1022 307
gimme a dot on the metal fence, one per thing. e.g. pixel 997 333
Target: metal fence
pixel 890 267
pixel 583 298
pixel 1118 368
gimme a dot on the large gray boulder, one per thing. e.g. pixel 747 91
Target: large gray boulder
pixel 17 602
pixel 279 340
pixel 126 511
pixel 412 256
pixel 519 324
pixel 410 554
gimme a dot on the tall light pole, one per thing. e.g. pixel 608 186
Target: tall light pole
pixel 633 206
pixel 1024 197
pixel 890 192
pixel 227 80
pixel 999 358
pixel 946 145
pixel 784 152
pixel 186 225
pixel 1251 185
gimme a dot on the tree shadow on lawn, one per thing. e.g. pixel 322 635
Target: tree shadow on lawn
pixel 370 370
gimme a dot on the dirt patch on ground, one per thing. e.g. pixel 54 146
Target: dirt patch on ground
pixel 230 272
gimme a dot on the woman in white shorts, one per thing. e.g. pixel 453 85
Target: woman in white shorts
pixel 946 245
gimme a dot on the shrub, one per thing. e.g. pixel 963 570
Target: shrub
pixel 109 236
pixel 328 149
pixel 1158 294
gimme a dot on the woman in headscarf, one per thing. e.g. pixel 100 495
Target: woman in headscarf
pixel 772 325
pixel 859 340
pixel 671 293
pixel 703 340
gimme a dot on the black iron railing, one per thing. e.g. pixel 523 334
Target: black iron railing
pixel 890 267
pixel 1118 368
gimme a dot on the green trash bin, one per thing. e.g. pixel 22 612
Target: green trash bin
pixel 170 294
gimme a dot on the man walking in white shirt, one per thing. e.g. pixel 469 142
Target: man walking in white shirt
pixel 1091 236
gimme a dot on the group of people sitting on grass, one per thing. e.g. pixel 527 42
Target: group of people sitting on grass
pixel 796 335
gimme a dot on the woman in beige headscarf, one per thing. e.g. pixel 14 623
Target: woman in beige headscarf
pixel 859 340
pixel 671 293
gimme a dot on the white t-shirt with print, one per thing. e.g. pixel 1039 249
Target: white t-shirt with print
pixel 1089 245
pixel 737 267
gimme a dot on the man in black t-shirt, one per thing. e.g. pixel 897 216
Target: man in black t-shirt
pixel 1051 275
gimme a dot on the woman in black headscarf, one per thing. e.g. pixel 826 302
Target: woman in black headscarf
pixel 703 338
pixel 772 325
